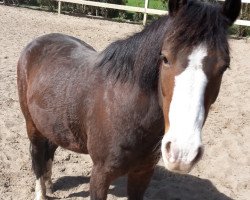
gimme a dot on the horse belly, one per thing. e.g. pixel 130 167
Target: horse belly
pixel 55 125
pixel 70 136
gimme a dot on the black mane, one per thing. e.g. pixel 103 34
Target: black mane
pixel 199 22
pixel 136 58
pixel 137 54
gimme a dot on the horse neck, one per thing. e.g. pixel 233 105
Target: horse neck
pixel 135 59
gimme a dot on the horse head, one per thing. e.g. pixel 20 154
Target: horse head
pixel 194 56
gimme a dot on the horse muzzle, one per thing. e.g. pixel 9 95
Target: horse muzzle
pixel 180 159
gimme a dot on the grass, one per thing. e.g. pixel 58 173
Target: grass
pixel 155 4
pixel 239 31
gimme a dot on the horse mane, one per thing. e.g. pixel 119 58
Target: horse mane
pixel 137 54
pixel 136 58
pixel 199 22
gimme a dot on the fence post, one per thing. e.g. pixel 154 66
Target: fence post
pixel 59 7
pixel 145 13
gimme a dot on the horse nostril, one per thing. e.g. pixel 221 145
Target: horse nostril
pixel 168 147
pixel 199 155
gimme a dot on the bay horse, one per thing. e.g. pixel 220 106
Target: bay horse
pixel 140 97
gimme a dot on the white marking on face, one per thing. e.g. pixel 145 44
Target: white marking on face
pixel 186 113
pixel 40 189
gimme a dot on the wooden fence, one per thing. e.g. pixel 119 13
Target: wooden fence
pixel 144 10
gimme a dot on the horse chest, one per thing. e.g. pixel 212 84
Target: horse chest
pixel 124 132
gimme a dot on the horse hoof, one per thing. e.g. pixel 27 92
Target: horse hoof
pixel 49 187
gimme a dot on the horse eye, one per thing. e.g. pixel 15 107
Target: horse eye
pixel 164 59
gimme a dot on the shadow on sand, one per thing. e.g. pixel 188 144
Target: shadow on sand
pixel 164 186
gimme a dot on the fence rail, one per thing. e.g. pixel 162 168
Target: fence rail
pixel 144 10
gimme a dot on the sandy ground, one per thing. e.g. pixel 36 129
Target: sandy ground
pixel 223 173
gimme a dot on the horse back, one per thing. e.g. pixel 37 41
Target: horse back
pixel 54 47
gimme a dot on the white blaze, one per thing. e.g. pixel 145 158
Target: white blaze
pixel 186 114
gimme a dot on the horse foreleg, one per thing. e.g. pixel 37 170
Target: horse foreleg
pixel 99 182
pixel 138 181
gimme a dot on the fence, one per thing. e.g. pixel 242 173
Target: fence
pixel 144 10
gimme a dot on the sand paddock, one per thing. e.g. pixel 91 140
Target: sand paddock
pixel 223 173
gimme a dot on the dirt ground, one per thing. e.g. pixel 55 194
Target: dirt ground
pixel 222 174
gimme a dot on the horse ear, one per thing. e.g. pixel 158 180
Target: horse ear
pixel 231 9
pixel 175 5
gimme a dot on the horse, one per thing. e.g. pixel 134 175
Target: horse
pixel 141 98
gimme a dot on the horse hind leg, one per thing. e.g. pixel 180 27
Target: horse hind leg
pixel 37 152
pixel 42 154
pixel 41 150
pixel 49 157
